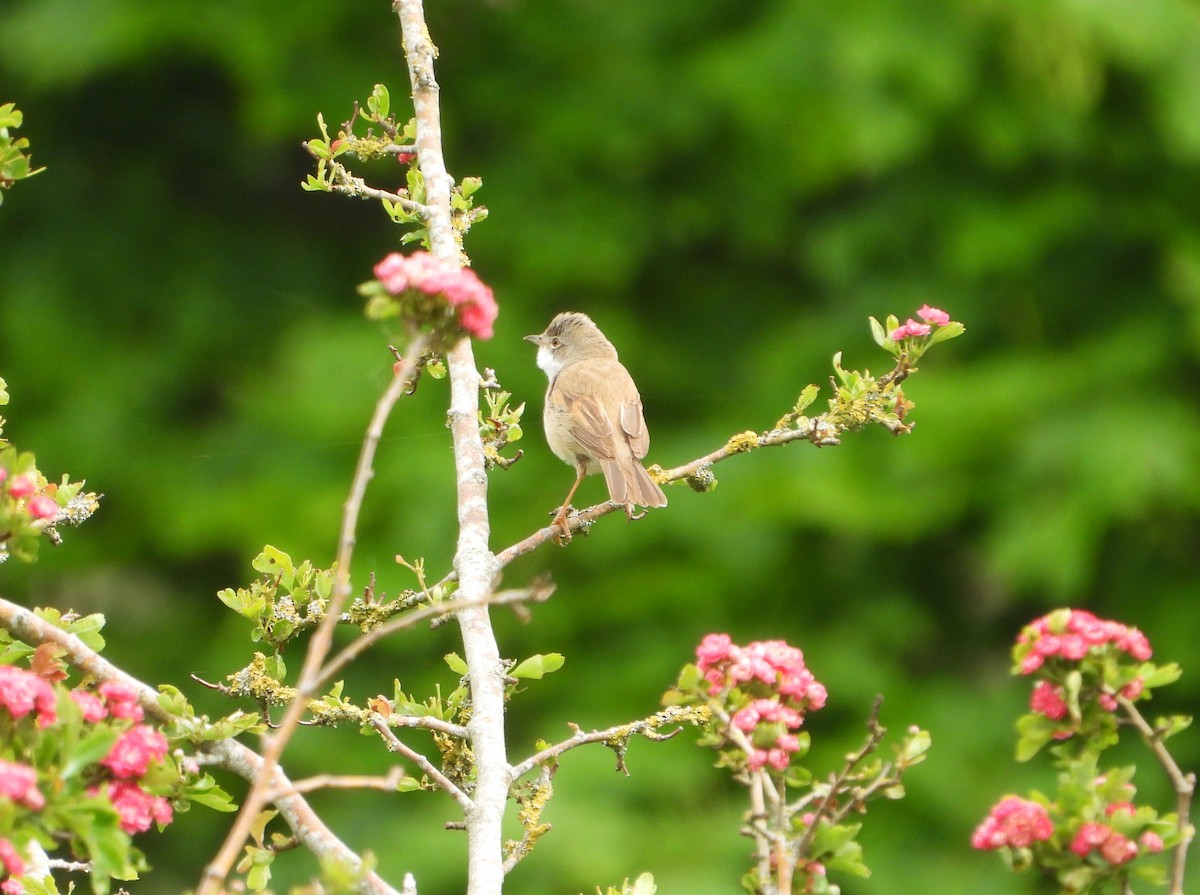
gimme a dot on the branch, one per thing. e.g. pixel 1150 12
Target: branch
pixel 822 431
pixel 616 737
pixel 228 754
pixel 319 644
pixel 1184 785
pixel 395 744
pixel 387 783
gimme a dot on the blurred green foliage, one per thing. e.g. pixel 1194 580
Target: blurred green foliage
pixel 729 190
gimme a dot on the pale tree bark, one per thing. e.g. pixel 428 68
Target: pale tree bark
pixel 474 561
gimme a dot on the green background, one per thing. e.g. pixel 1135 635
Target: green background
pixel 729 190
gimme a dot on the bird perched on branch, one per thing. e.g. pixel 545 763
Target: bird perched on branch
pixel 593 415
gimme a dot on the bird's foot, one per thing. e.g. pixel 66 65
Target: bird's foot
pixel 632 515
pixel 562 533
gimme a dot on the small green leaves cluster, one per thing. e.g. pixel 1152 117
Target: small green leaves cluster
pixel 910 349
pixel 499 424
pixel 643 885
pixel 285 601
pixel 859 398
pixel 407 205
pixel 16 163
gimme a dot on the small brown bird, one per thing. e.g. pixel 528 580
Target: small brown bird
pixel 593 416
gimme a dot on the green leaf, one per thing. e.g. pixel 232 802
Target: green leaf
pixel 456 663
pixel 538 666
pixel 380 101
pixel 274 562
pixel 878 334
pixel 89 750
pixel 1160 675
pixel 1035 732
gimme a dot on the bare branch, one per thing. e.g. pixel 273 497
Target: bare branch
pixel 616 737
pixel 387 783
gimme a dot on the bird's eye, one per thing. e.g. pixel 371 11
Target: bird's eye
pixel 555 342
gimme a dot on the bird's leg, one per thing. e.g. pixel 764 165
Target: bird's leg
pixel 560 519
pixel 631 516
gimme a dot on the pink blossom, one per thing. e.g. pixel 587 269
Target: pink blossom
pixel 476 317
pixel 908 329
pixel 1091 835
pixel 933 315
pixel 1133 689
pixel 1114 847
pixel 136 808
pixel 3 474
pixel 713 649
pixel 42 507
pixel 14 865
pixel 1013 822
pixel 22 486
pixel 121 700
pixel 133 751
pixel 1047 700
pixel 1118 848
pixel 18 783
pixel 22 692
pixel 90 704
pixel 1151 842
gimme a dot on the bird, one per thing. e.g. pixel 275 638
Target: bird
pixel 593 415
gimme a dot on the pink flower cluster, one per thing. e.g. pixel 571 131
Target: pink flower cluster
pixel 128 759
pixel 775 670
pixel 137 808
pixel 18 783
pixel 472 300
pixel 911 328
pixel 1070 634
pixel 1013 822
pixel 781 667
pixel 1114 847
pixel 115 700
pixel 22 692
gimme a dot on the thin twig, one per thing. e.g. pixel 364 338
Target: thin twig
pixel 875 734
pixel 319 644
pixel 647 727
pixel 535 593
pixel 395 744
pixel 387 783
pixel 1183 783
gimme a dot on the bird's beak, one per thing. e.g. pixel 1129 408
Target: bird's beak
pixel 536 340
